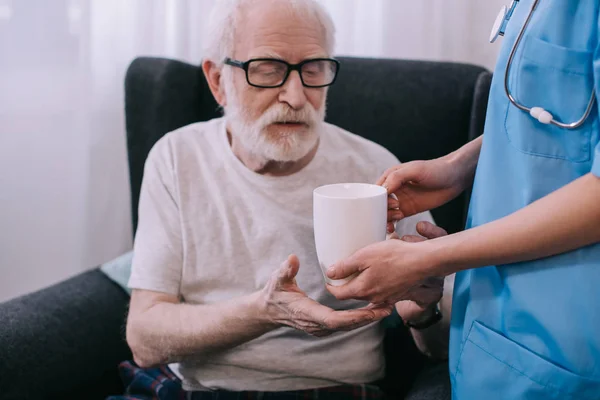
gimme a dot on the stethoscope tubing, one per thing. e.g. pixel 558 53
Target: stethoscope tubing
pixel 552 121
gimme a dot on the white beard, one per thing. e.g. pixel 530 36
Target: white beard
pixel 252 135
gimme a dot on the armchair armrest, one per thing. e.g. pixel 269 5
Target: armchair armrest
pixel 433 383
pixel 64 339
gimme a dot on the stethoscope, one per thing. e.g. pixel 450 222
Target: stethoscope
pixel 537 113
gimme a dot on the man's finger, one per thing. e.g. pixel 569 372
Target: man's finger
pixel 329 319
pixel 384 307
pixel 352 319
pixel 288 269
pixel 429 230
pixel 412 239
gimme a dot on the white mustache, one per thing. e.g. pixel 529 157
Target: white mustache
pixel 281 113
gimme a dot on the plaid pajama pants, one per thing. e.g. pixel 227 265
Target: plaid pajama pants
pixel 161 384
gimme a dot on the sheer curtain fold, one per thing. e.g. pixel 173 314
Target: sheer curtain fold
pixel 64 199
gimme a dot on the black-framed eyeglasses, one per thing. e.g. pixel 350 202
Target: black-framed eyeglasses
pixel 273 73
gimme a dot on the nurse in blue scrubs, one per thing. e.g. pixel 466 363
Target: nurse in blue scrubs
pixel 526 307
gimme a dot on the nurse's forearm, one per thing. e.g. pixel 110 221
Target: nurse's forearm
pixel 564 220
pixel 465 159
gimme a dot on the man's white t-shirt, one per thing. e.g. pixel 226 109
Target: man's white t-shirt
pixel 210 230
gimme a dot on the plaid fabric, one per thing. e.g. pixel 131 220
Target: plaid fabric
pixel 162 384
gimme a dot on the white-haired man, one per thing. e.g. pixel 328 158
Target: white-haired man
pixel 225 202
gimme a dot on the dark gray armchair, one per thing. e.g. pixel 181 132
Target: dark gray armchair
pixel 66 341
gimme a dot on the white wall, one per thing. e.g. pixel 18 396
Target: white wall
pixel 454 30
pixel 64 201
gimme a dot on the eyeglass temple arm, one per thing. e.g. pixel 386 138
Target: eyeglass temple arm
pixel 234 63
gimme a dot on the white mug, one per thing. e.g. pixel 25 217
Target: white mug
pixel 346 218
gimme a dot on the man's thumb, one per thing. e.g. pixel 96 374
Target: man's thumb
pixel 289 268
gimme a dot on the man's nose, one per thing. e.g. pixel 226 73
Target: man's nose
pixel 293 91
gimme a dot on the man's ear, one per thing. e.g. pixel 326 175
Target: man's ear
pixel 213 76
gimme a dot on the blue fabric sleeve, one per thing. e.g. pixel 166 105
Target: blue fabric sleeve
pixel 596 68
pixel 596 162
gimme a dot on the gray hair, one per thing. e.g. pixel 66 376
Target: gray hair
pixel 223 21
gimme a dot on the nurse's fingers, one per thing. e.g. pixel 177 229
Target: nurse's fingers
pixel 346 291
pixel 390 227
pixel 429 230
pixel 385 174
pixel 394 215
pixel 345 268
pixel 394 179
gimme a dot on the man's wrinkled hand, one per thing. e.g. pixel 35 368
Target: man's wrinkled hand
pixel 286 304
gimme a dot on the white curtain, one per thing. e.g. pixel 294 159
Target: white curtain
pixel 64 199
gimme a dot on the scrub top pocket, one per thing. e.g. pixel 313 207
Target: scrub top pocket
pixel 493 367
pixel 560 80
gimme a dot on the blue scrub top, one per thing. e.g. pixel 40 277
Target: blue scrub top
pixel 532 330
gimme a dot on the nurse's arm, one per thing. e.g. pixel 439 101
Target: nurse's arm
pixel 564 220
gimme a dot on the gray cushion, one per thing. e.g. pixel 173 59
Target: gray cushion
pixel 119 270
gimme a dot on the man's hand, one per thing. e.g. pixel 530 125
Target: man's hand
pixel 285 304
pixel 388 271
pixel 424 297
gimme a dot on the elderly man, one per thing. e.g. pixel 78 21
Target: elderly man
pixel 217 296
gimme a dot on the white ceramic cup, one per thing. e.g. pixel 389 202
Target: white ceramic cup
pixel 346 218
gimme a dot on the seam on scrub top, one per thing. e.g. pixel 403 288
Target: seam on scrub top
pixel 555 69
pixel 553 157
pixel 525 55
pixel 548 386
pixel 462 350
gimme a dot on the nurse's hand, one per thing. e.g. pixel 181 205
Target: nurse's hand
pixel 423 185
pixel 388 271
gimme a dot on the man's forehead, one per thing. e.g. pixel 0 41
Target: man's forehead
pixel 279 32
